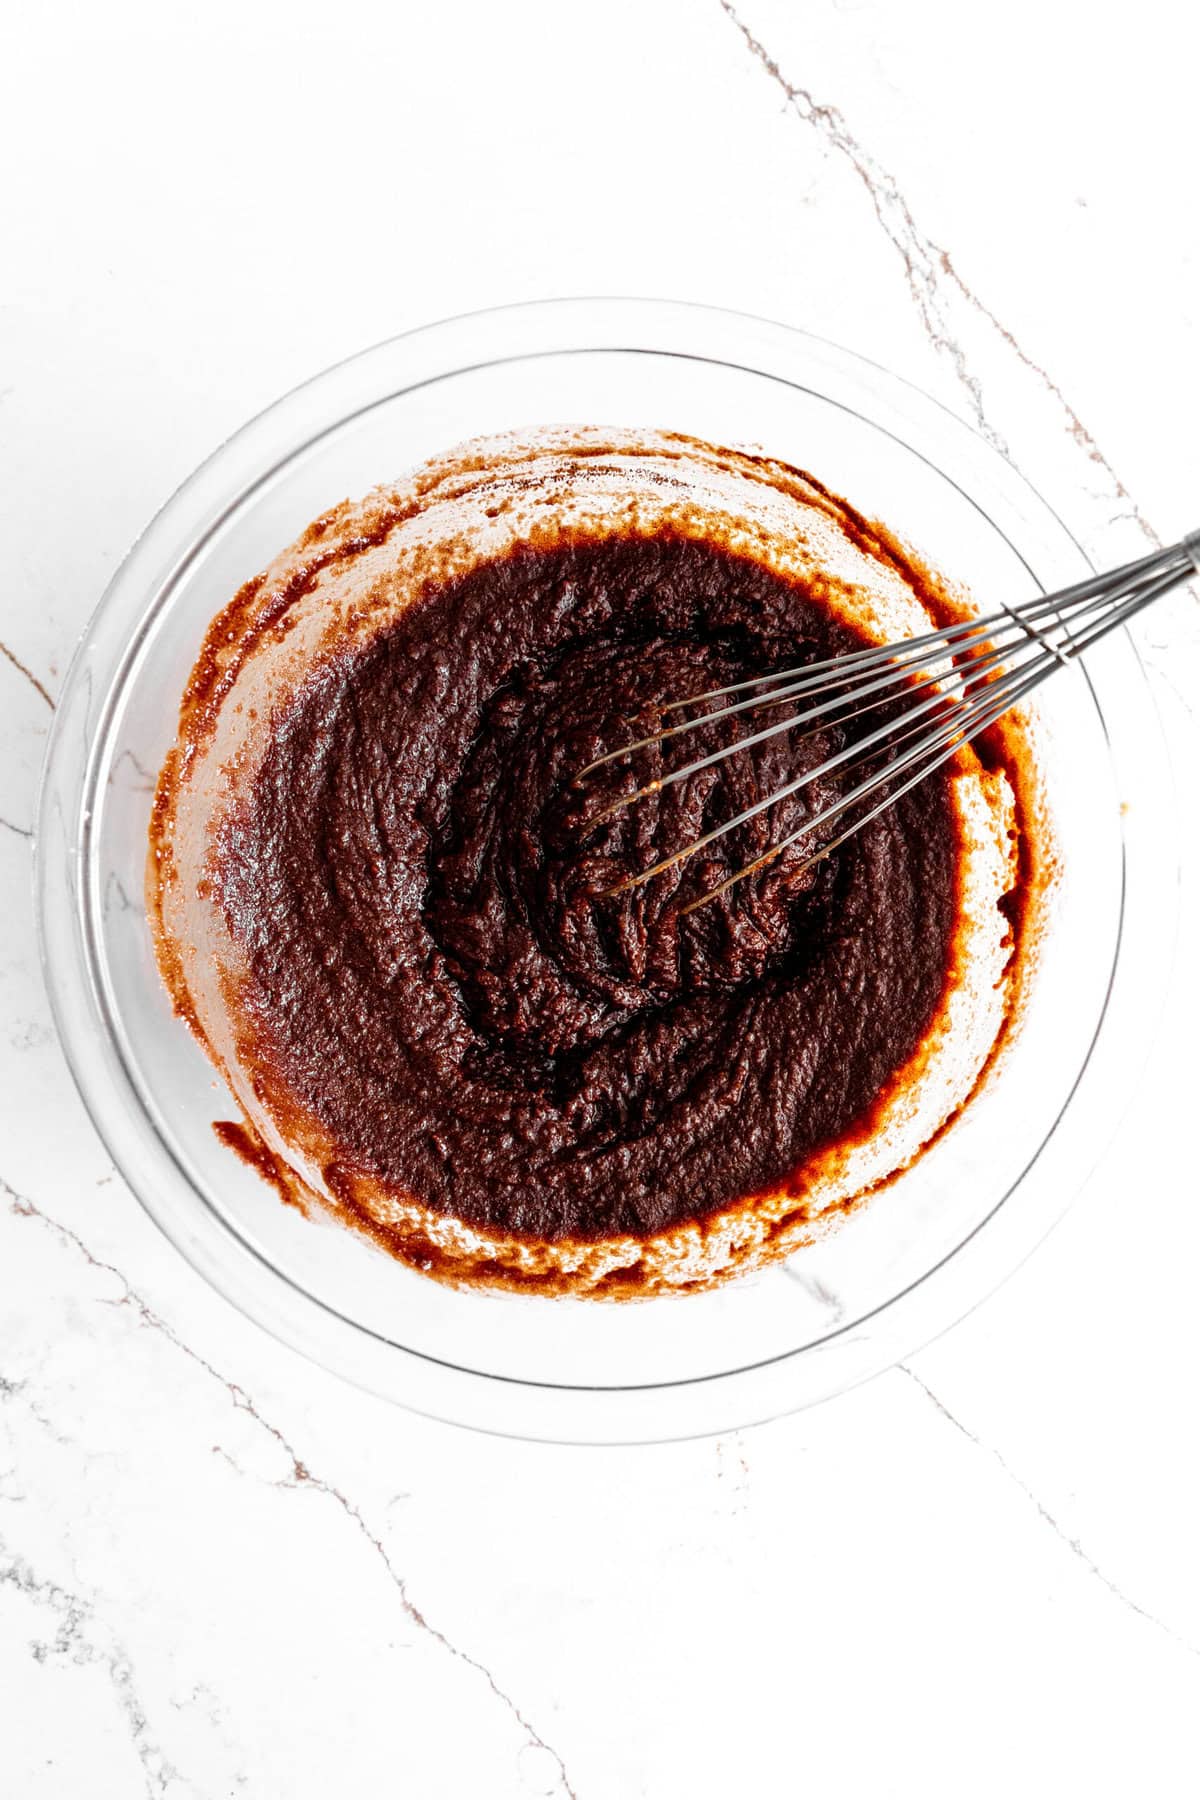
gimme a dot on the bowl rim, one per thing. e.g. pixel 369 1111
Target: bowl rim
pixel 66 921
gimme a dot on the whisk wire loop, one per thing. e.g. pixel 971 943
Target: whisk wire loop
pixel 944 687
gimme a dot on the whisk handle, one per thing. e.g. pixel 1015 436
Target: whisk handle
pixel 1191 543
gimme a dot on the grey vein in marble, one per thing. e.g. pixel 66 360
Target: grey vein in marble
pixel 298 1475
pixel 818 1290
pixel 19 1390
pixel 76 1636
pixel 929 270
pixel 201 1699
pixel 1073 1544
pixel 116 888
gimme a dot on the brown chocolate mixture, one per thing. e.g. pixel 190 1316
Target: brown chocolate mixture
pixel 439 972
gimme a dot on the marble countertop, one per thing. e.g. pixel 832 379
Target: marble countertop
pixel 223 1572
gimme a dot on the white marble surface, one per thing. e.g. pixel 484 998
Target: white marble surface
pixel 224 1573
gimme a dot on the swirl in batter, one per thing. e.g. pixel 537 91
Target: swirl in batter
pixel 438 1015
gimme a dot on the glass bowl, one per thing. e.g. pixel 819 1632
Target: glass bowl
pixel 926 1248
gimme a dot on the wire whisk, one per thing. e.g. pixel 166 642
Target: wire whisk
pixel 954 684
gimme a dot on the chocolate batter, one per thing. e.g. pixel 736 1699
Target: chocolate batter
pixel 439 971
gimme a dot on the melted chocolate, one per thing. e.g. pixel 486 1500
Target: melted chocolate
pixel 439 969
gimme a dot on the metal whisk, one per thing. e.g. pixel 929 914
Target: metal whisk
pixel 954 683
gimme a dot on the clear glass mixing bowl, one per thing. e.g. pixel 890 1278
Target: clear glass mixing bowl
pixel 908 1264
